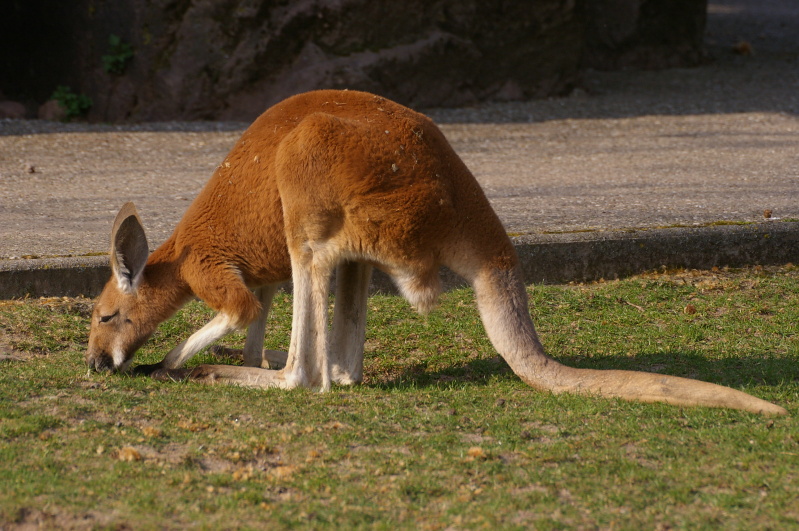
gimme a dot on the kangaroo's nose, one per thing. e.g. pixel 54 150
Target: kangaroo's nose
pixel 100 362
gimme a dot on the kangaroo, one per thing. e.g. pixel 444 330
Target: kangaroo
pixel 338 181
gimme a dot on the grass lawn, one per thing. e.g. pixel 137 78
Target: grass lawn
pixel 441 435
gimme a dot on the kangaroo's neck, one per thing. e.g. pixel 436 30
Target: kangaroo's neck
pixel 163 287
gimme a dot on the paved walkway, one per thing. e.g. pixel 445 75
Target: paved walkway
pixel 668 163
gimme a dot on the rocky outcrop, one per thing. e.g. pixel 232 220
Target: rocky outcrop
pixel 230 59
pixel 644 33
pixel 51 110
pixel 12 109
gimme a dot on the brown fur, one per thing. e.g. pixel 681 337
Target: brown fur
pixel 349 181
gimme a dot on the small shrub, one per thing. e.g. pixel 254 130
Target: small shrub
pixel 75 104
pixel 120 55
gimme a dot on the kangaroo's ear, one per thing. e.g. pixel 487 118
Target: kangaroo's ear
pixel 129 249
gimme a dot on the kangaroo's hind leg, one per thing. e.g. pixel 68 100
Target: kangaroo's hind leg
pixel 308 360
pixel 349 322
pixel 254 353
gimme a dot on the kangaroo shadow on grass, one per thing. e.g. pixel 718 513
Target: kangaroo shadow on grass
pixel 730 372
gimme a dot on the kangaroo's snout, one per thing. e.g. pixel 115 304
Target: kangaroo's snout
pixel 100 361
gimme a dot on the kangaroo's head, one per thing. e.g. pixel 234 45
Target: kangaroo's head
pixel 120 321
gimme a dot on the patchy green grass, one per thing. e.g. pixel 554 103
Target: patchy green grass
pixel 440 435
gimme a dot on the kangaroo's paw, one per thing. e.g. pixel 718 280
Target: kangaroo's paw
pixel 171 375
pixel 146 370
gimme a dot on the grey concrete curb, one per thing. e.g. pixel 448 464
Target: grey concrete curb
pixel 609 255
pixel 53 277
pixel 545 258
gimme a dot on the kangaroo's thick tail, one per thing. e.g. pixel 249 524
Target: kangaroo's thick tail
pixel 502 301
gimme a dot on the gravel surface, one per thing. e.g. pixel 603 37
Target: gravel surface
pixel 627 150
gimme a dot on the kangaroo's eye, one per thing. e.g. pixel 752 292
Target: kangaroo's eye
pixel 106 318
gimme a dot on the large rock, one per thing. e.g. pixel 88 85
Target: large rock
pixel 13 110
pixel 224 59
pixel 52 110
pixel 230 59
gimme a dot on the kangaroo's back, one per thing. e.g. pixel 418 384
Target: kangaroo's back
pixel 370 154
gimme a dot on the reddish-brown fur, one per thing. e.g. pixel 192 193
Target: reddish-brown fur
pixel 339 180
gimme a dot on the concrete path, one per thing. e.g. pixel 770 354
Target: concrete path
pixel 633 171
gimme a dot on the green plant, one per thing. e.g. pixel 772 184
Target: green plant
pixel 120 55
pixel 75 104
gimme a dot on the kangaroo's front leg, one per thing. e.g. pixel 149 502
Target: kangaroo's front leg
pixel 307 363
pixel 230 374
pixel 221 325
